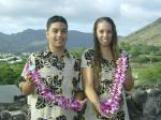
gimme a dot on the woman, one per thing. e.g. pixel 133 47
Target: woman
pixel 98 66
pixel 59 71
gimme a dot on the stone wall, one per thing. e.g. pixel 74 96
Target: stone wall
pixel 145 104
pixel 14 111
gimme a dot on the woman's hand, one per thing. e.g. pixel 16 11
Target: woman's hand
pixel 100 112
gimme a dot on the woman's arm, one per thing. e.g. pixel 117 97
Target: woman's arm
pixel 88 77
pixel 129 82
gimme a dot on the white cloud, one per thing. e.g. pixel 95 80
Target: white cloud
pixel 138 13
pixel 16 15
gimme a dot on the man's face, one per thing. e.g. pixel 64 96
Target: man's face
pixel 57 35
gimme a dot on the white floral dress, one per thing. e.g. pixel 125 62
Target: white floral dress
pixel 62 75
pixel 106 77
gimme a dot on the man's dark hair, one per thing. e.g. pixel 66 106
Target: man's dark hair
pixel 54 19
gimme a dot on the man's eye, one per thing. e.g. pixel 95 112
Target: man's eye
pixel 55 31
pixel 64 31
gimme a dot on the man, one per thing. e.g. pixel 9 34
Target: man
pixel 58 70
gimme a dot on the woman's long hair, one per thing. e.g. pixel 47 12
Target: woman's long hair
pixel 113 46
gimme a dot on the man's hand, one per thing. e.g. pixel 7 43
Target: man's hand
pixel 26 87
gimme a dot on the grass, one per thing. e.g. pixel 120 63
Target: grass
pixel 147 74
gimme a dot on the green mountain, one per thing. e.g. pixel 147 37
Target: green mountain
pixel 149 35
pixel 31 40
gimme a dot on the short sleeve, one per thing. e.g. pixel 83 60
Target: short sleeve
pixel 125 53
pixel 77 75
pixel 87 58
pixel 30 61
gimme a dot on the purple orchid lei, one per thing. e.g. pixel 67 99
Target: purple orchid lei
pixel 48 96
pixel 111 105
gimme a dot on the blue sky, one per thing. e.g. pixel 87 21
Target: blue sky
pixel 129 15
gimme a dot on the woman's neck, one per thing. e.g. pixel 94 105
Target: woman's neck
pixel 106 52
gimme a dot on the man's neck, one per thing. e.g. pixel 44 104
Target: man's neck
pixel 58 51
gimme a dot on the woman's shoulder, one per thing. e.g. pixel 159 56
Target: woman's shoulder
pixel 89 53
pixel 124 52
pixel 89 50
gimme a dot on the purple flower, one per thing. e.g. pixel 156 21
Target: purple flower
pixel 45 92
pixel 111 105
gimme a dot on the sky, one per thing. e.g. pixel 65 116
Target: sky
pixel 128 15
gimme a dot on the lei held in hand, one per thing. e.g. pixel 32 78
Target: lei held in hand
pixel 111 105
pixel 48 96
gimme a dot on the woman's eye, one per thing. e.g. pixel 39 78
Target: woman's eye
pixel 101 31
pixel 109 31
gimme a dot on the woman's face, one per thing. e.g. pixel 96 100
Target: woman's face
pixel 104 33
pixel 57 35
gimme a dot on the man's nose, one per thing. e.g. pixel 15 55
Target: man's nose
pixel 59 33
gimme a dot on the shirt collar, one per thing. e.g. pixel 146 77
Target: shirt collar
pixel 47 52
